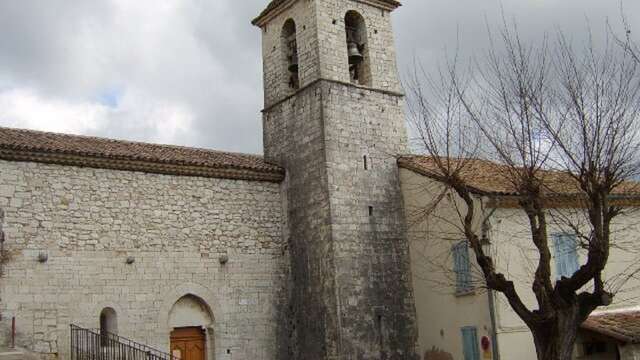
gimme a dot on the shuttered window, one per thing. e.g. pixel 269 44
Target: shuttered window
pixel 461 267
pixel 566 252
pixel 470 347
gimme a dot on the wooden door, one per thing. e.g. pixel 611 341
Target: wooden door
pixel 188 343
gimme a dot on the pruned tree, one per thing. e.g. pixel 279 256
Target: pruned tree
pixel 626 41
pixel 559 122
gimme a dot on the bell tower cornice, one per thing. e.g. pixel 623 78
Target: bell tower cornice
pixel 275 7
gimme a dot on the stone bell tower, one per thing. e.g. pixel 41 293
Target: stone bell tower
pixel 334 119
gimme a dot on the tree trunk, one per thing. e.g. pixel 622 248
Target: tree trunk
pixel 555 340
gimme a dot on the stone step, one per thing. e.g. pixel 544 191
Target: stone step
pixel 16 355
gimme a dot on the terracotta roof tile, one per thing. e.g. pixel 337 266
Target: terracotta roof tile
pixel 488 177
pixel 19 141
pixel 623 325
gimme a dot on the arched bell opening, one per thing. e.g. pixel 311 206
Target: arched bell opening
pixel 290 54
pixel 357 48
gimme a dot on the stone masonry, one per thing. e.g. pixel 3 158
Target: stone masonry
pixel 89 221
pixel 351 296
pixel 318 263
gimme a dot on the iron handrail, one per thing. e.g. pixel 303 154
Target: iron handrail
pixel 93 344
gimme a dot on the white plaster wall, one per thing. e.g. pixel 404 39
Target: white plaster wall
pixel 517 258
pixel 441 313
pixel 630 352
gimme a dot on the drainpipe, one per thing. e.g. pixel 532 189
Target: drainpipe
pixel 486 229
pixel 494 331
pixel 13 332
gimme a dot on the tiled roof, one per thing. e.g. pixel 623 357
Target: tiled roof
pixel 487 177
pixel 38 146
pixel 275 3
pixel 623 326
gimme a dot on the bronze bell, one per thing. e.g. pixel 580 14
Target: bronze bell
pixel 355 56
pixel 293 63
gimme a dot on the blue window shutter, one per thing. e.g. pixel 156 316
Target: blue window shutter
pixel 566 253
pixel 462 267
pixel 573 263
pixel 456 263
pixel 470 343
pixel 557 245
pixel 466 268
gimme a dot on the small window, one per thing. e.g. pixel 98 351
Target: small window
pixel 470 347
pixel 366 162
pixel 595 347
pixel 566 252
pixel 462 267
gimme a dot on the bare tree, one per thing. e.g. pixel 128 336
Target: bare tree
pixel 626 41
pixel 561 123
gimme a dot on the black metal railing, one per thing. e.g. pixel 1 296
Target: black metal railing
pixel 88 344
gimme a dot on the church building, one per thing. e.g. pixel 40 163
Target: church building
pixel 298 254
pixel 114 249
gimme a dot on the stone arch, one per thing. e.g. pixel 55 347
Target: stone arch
pixel 190 310
pixel 109 321
pixel 122 313
pixel 289 48
pixel 357 40
pixel 207 299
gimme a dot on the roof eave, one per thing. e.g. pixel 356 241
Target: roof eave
pixel 420 171
pixel 145 166
pixel 511 200
pixel 608 333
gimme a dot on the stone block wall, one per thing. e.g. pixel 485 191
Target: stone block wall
pixel 294 134
pixel 275 73
pixel 89 221
pixel 368 226
pixel 332 50
pixel 352 296
pixel 322 48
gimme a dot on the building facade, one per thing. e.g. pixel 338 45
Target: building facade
pixel 80 240
pixel 312 251
pixel 300 254
pixel 459 318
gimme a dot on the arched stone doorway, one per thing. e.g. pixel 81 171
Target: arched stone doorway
pixel 191 324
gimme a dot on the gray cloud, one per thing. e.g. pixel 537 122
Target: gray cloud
pixel 188 72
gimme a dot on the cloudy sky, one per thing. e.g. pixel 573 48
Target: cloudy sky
pixel 188 72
